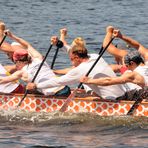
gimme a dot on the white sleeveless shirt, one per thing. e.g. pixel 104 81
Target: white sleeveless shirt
pixel 7 87
pixel 143 70
pixel 44 74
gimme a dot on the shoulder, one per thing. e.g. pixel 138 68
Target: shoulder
pixel 133 75
pixel 93 56
pixel 78 70
pixel 74 70
pixel 129 74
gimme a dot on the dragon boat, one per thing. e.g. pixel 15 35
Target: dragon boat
pixel 81 104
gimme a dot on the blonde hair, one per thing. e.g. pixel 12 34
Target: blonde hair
pixel 2 25
pixel 79 42
pixel 79 51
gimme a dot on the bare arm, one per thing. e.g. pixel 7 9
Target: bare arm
pixel 132 77
pixel 33 52
pixel 15 76
pixel 10 68
pixel 144 52
pixel 116 52
pixel 63 33
pixel 6 47
pixel 133 43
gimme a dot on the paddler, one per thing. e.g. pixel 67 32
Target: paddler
pixel 27 60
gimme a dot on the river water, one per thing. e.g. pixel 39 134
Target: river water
pixel 36 21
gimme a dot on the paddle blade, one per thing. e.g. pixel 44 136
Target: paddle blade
pixel 59 44
pixel 134 106
pixel 19 104
pixel 68 100
pixel 36 74
pixel 141 94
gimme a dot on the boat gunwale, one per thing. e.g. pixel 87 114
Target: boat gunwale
pixel 90 98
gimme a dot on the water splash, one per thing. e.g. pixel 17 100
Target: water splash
pixel 22 117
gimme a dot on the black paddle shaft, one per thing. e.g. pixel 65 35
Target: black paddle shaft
pixel 139 98
pixel 71 96
pixel 3 39
pixel 41 64
pixel 134 106
pixel 101 49
pixel 26 92
pixel 59 45
pixel 100 55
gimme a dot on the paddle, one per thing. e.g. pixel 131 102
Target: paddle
pixel 134 106
pixel 137 102
pixel 72 95
pixel 59 45
pixel 101 49
pixel 3 39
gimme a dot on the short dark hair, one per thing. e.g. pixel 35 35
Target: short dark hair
pixel 25 58
pixel 134 56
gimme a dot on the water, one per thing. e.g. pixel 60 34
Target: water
pixel 36 21
pixel 33 130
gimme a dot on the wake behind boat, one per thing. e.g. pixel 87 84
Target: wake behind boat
pixel 81 104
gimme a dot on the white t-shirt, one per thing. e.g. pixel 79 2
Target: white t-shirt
pixel 44 75
pixel 7 87
pixel 102 69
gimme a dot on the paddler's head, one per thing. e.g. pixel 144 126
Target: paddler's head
pixel 14 46
pixel 79 41
pixel 2 26
pixel 133 59
pixel 21 58
pixel 78 53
